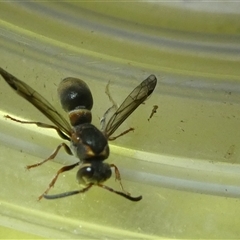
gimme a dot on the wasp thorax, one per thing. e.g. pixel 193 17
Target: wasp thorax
pixel 93 145
pixel 74 94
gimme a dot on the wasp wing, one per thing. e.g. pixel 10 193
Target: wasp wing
pixel 37 100
pixel 134 99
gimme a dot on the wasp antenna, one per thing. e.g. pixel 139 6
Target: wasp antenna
pixel 134 199
pixel 67 194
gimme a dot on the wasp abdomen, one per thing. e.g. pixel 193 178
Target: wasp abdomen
pixel 80 116
pixel 74 94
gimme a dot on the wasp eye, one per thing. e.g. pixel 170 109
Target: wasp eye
pixel 88 172
pixel 85 174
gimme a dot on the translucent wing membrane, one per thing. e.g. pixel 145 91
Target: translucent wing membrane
pixel 134 99
pixel 38 101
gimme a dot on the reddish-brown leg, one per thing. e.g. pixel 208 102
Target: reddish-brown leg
pixel 107 91
pixel 118 177
pixel 121 134
pixel 53 155
pixel 42 125
pixel 61 170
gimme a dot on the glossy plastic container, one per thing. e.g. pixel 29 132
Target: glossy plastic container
pixel 184 161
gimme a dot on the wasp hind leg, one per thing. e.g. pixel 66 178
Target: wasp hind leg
pixel 42 125
pixel 112 108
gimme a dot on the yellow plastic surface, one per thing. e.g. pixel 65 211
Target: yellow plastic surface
pixel 184 161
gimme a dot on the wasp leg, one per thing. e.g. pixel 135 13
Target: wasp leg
pixel 118 178
pixel 121 134
pixel 113 107
pixel 61 170
pixel 53 155
pixel 42 125
pixel 103 119
pixel 107 91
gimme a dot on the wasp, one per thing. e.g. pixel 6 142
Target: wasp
pixel 87 142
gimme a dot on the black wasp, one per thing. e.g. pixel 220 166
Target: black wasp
pixel 89 144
